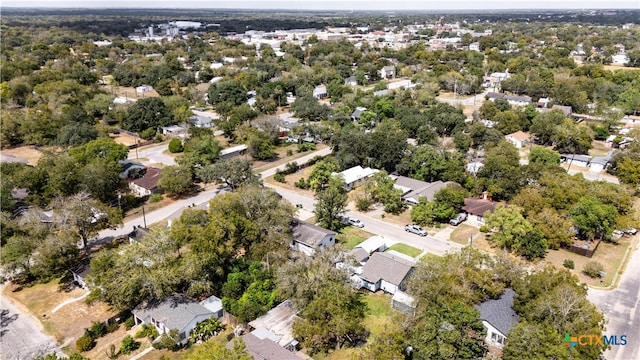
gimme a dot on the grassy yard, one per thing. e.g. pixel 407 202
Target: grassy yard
pixel 428 256
pixel 462 233
pixel 69 322
pixel 350 236
pixel 405 249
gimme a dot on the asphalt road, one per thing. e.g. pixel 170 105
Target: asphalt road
pixel 21 336
pixel 621 307
pixel 154 154
pixel 392 232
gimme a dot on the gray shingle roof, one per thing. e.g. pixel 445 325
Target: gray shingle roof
pixel 309 234
pixel 499 312
pixel 176 311
pixel 391 268
pixel 359 254
pixel 265 349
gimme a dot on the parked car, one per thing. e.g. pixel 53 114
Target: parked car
pixel 458 219
pixel 355 222
pixel 416 229
pixel 631 231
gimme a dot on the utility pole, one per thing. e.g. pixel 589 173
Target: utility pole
pixel 144 217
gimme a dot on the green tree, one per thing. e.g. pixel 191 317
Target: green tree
pixel 593 219
pixel 261 146
pixel 227 91
pixel 233 172
pixel 175 146
pixel 149 113
pixel 175 180
pixel 105 149
pixel 544 156
pixel 385 193
pixel 216 350
pixel 322 173
pixel 331 204
pixel 501 174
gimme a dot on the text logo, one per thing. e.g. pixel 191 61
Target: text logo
pixel 569 340
pixel 587 340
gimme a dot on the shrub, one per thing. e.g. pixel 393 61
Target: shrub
pixel 175 146
pixel 129 345
pixel 168 341
pixel 568 264
pixel 158 138
pixel 279 177
pixel 289 152
pixel 148 134
pixel 85 343
pixel 98 329
pixel 302 184
pixel 155 198
pixel 147 331
pixel 112 327
pixel 291 167
pixel 306 147
pixel 128 324
pixel 592 269
pixel 111 352
pixel 363 203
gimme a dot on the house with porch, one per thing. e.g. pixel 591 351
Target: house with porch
pixel 519 139
pixel 307 238
pixel 177 312
pixel 320 92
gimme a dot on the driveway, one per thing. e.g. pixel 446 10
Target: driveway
pixel 21 335
pixel 621 307
pixel 154 154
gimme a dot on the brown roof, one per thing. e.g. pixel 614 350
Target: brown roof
pixel 478 206
pixel 519 135
pixel 389 267
pixel 149 180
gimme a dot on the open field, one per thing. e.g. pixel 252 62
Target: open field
pixel 129 92
pixel 292 179
pixel 69 322
pixel 125 139
pixel 28 152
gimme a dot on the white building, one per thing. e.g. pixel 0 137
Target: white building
pixel 354 176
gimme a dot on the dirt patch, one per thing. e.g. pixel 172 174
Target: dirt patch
pixel 99 352
pixel 148 207
pixel 282 157
pixel 29 153
pixel 129 92
pixel 292 179
pixel 69 322
pixel 599 148
pixel 125 139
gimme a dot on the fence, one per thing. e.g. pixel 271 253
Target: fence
pixel 582 251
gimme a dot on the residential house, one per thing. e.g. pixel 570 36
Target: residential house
pixel 233 151
pixel 173 130
pixel 495 78
pixel 277 325
pixel 264 348
pixel 388 72
pixel 308 237
pixel 351 81
pixel 576 159
pixel 201 121
pixel 130 169
pixel 478 208
pixel 519 139
pixel 401 84
pixel 599 163
pixel 320 92
pixel 176 312
pixel 144 89
pixel 147 184
pixel 355 115
pixel 413 189
pixel 355 176
pixel 385 271
pixel 512 99
pixel 474 166
pixel 566 110
pixel 498 317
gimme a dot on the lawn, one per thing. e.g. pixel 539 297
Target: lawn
pixel 350 236
pixel 69 322
pixel 405 249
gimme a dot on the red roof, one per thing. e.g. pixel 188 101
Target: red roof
pixel 478 206
pixel 150 179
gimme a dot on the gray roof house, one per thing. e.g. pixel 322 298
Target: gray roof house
pixel 351 80
pixel 201 121
pixel 355 115
pixel 265 348
pixel 385 271
pixel 176 312
pixel 498 317
pixel 308 237
pixel 413 189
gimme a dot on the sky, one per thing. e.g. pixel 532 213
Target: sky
pixel 331 4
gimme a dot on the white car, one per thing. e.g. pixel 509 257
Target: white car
pixel 355 222
pixel 416 229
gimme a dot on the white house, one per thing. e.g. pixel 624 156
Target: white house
pixel 173 130
pixel 576 159
pixel 147 184
pixel 177 312
pixel 233 151
pixel 385 271
pixel 498 318
pixel 144 89
pixel 355 175
pixel 477 209
pixel 519 139
pixel 388 72
pixel 308 237
pixel 351 81
pixel 201 121
pixel 320 92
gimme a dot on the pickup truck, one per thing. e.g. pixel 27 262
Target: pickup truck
pixel 458 219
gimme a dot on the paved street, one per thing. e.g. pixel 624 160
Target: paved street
pixel 394 233
pixel 621 307
pixel 154 154
pixel 21 336
pixel 299 161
